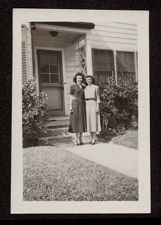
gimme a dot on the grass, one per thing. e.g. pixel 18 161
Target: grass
pixel 129 139
pixel 54 174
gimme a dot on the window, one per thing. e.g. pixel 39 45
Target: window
pixel 125 66
pixel 50 67
pixel 103 64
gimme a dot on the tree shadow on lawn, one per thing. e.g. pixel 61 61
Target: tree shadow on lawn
pixel 54 174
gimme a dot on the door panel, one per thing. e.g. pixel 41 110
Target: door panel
pixel 54 96
pixel 51 79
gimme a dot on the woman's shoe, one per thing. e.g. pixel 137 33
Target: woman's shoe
pixel 81 142
pixel 93 142
pixel 78 142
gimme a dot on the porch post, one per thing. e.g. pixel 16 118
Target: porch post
pixel 88 55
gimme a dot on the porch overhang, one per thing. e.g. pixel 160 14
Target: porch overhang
pixel 75 27
pixel 80 25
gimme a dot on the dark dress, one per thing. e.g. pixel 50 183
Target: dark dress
pixel 77 121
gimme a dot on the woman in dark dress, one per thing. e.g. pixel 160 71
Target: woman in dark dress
pixel 77 122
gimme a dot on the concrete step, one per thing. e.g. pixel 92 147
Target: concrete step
pixel 58 122
pixel 61 138
pixel 58 118
pixel 53 132
pixel 57 140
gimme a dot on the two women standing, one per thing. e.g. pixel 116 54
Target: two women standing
pixel 84 108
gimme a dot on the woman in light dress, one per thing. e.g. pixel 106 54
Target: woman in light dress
pixel 92 99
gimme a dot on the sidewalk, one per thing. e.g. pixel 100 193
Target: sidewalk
pixel 116 157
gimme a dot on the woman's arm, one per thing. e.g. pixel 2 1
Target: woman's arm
pixel 70 103
pixel 97 98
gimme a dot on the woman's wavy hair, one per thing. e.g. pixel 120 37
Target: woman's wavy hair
pixel 90 76
pixel 79 74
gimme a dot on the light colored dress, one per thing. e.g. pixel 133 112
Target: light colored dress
pixel 92 99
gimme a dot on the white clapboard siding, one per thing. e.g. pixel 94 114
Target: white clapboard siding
pixel 116 26
pixel 24 65
pixel 71 68
pixel 24 55
pixel 116 36
pixel 26 49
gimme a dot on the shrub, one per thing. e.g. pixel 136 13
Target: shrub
pixel 119 102
pixel 34 113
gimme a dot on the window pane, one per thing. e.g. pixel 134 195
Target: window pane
pixel 53 68
pixel 125 61
pixel 125 67
pixel 102 76
pixel 54 78
pixel 44 69
pixel 44 78
pixel 103 60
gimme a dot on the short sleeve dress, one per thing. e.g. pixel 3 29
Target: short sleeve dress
pixel 92 99
pixel 77 122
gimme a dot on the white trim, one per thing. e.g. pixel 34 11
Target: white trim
pixel 136 66
pixel 104 47
pixel 88 56
pixel 63 69
pixel 115 66
pixel 79 39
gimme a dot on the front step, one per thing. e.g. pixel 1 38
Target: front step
pixel 57 132
pixel 58 122
pixel 53 132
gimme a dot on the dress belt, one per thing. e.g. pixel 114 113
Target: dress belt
pixel 90 99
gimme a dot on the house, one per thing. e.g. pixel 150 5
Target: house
pixel 52 53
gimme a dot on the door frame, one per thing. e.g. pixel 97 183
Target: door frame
pixel 36 48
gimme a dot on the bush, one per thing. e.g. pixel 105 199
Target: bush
pixel 119 102
pixel 34 113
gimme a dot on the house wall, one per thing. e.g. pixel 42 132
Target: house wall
pixel 114 36
pixel 27 66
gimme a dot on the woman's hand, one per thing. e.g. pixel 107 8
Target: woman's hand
pixel 97 109
pixel 71 110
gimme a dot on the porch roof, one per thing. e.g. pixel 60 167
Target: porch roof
pixel 79 25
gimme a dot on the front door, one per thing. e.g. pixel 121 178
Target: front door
pixel 51 79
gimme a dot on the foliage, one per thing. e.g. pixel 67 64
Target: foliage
pixel 34 112
pixel 118 103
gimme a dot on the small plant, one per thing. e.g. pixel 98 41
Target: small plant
pixel 34 113
pixel 119 102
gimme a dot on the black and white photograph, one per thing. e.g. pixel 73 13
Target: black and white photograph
pixel 80 127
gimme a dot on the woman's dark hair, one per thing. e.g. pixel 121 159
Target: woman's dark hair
pixel 90 76
pixel 77 75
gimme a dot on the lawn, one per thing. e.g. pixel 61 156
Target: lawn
pixel 129 139
pixel 51 173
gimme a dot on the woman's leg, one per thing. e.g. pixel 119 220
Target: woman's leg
pixel 81 141
pixel 93 137
pixel 78 138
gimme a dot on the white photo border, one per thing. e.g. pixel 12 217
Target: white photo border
pixel 143 205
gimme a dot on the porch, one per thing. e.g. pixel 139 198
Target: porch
pixel 60 51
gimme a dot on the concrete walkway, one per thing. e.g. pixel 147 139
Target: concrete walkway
pixel 116 157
